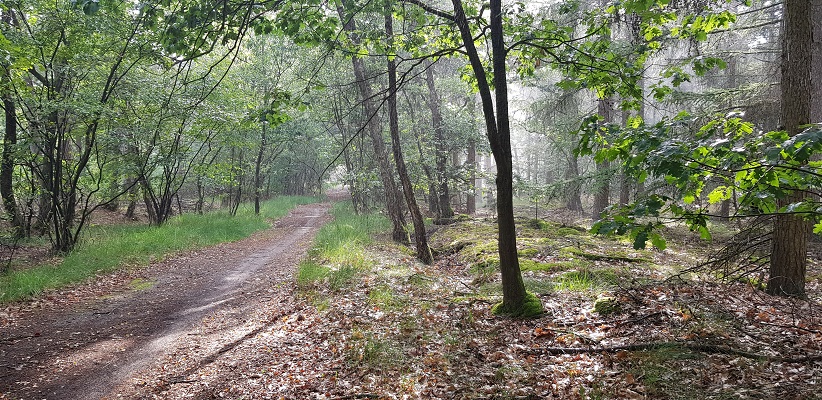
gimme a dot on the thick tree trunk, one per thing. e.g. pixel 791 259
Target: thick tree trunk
pixel 392 196
pixel 444 200
pixel 420 239
pixel 499 137
pixel 816 58
pixel 790 237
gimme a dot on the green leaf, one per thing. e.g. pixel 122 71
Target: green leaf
pixel 704 233
pixel 658 241
pixel 640 239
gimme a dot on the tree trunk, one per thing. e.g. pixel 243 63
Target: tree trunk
pixel 432 197
pixel 816 84
pixel 816 57
pixel 471 160
pixel 624 181
pixel 258 183
pixel 573 202
pixel 602 196
pixel 392 196
pixel 7 165
pixel 790 237
pixel 420 240
pixel 444 200
pixel 499 137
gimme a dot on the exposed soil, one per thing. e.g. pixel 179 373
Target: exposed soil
pixel 108 337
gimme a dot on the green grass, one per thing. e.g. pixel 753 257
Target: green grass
pixel 553 266
pixel 586 279
pixel 106 248
pixel 339 253
pixel 309 271
pixel 347 231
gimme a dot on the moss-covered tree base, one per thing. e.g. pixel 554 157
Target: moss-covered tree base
pixel 531 307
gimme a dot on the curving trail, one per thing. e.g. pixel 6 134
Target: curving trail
pixel 102 345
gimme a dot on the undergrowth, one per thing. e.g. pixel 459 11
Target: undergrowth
pixel 338 255
pixel 106 248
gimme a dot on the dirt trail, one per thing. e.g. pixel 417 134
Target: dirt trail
pixel 100 346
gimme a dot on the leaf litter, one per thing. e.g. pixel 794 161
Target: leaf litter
pixel 402 330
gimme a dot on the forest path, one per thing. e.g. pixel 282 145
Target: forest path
pixel 98 345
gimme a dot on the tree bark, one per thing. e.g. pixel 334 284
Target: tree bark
pixel 7 163
pixel 258 183
pixel 420 239
pixel 392 196
pixel 471 160
pixel 573 202
pixel 499 136
pixel 816 58
pixel 602 196
pixel 790 237
pixel 444 209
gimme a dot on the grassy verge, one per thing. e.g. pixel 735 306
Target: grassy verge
pixel 106 248
pixel 338 254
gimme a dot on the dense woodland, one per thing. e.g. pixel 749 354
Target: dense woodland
pixel 627 118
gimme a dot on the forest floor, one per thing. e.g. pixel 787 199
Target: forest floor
pixel 618 324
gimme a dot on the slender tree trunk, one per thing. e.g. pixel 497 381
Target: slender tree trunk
pixel 790 237
pixel 132 198
pixel 9 141
pixel 432 197
pixel 624 181
pixel 392 195
pixel 420 239
pixel 499 137
pixel 258 183
pixel 471 160
pixel 444 200
pixel 573 202
pixel 602 196
pixel 7 165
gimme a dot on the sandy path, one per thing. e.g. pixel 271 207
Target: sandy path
pixel 103 346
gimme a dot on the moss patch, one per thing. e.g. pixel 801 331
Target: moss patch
pixel 141 284
pixel 536 266
pixel 606 305
pixel 531 307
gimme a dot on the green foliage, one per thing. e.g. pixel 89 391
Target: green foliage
pixel 724 156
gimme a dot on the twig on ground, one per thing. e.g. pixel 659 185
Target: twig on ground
pixel 358 396
pixel 704 348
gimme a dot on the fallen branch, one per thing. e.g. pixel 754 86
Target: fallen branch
pixel 703 348
pixel 359 396
pixel 179 379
